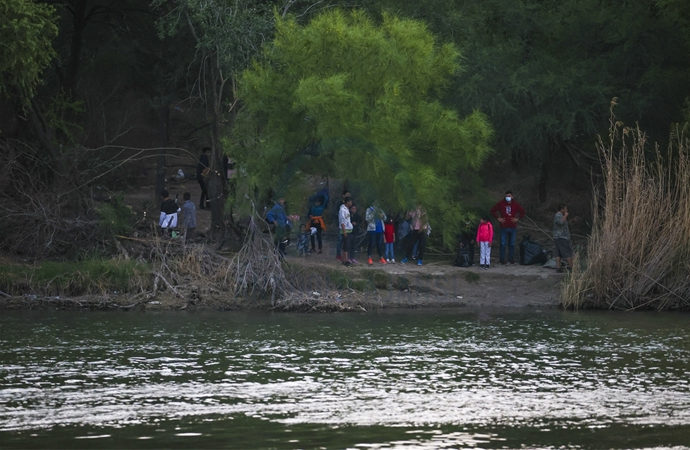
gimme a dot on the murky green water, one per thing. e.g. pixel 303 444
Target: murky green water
pixel 420 379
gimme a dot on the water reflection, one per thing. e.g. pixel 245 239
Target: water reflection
pixel 403 375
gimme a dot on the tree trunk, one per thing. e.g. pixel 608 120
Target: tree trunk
pixel 79 24
pixel 164 129
pixel 217 180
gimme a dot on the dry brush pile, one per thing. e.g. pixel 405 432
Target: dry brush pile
pixel 638 255
pixel 254 276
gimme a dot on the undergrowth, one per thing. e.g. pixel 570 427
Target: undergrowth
pixel 71 278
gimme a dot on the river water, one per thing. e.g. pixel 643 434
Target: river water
pixel 410 379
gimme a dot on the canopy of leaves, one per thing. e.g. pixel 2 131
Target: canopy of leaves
pixel 345 97
pixel 27 30
pixel 229 31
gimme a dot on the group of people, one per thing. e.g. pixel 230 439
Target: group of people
pixel 411 234
pixel 508 213
pixel 170 208
pixel 169 216
pixel 381 234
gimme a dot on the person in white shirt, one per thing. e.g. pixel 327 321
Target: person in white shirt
pixel 345 229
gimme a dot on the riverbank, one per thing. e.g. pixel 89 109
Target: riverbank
pixel 439 284
pixel 322 284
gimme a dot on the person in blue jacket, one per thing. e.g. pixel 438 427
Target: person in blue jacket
pixel 316 221
pixel 277 217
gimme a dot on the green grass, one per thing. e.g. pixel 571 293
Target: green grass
pixel 89 276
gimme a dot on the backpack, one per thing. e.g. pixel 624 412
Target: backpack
pixel 531 252
pixel 464 256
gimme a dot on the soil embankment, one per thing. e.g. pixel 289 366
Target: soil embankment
pixel 438 284
pixel 324 285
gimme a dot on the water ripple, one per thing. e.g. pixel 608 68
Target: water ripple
pixel 370 371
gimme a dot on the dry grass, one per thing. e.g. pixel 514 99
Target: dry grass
pixel 638 253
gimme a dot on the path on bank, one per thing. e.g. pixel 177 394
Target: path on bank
pixel 439 284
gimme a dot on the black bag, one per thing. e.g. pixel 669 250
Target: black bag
pixel 531 252
pixel 464 254
pixel 463 258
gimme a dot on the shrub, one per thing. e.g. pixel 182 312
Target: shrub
pixel 116 218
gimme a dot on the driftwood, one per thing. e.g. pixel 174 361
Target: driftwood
pixel 257 268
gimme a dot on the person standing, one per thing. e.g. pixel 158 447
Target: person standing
pixel 345 229
pixel 561 237
pixel 203 167
pixel 316 221
pixel 508 212
pixel 356 237
pixel 389 239
pixel 419 226
pixel 375 217
pixel 339 243
pixel 277 217
pixel 485 236
pixel 189 216
pixel 404 234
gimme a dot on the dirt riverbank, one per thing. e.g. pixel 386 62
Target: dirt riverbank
pixel 331 287
pixel 439 284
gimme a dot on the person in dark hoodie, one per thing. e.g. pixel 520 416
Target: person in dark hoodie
pixel 202 168
pixel 508 212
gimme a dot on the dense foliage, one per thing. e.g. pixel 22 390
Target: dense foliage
pixel 345 97
pixel 545 71
pixel 389 95
pixel 27 30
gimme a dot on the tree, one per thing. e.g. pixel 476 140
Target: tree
pixel 225 35
pixel 343 96
pixel 27 30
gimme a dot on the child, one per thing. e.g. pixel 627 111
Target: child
pixel 189 217
pixel 168 217
pixel 303 240
pixel 389 238
pixel 485 235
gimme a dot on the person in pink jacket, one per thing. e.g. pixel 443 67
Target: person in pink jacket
pixel 485 236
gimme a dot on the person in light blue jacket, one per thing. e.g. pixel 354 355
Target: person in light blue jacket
pixel 375 218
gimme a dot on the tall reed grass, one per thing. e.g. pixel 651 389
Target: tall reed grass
pixel 638 255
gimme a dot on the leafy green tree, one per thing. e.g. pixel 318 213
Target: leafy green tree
pixel 349 98
pixel 27 30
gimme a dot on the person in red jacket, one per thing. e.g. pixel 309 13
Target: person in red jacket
pixel 485 236
pixel 508 212
pixel 389 240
